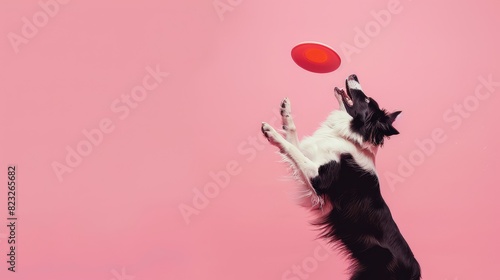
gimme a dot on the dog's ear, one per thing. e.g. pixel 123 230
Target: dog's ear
pixel 393 116
pixel 391 131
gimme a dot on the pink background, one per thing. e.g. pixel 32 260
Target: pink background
pixel 116 215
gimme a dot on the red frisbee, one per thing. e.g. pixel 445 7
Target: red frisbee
pixel 316 57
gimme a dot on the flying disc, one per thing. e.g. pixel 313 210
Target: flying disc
pixel 316 57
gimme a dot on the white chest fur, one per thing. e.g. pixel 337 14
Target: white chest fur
pixel 334 138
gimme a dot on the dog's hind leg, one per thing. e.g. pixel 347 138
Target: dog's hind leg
pixel 306 168
pixel 288 124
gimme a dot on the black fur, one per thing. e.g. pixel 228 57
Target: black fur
pixel 360 221
pixel 373 123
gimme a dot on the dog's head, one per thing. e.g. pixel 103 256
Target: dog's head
pixel 368 120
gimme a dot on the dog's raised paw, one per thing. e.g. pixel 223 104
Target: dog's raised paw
pixel 266 130
pixel 286 116
pixel 271 134
pixel 286 107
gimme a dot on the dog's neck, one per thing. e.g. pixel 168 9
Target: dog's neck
pixel 339 123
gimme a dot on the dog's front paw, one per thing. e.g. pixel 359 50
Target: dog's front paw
pixel 272 136
pixel 286 107
pixel 286 115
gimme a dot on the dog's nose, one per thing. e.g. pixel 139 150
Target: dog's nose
pixel 353 77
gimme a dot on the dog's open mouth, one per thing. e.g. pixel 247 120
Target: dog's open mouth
pixel 345 96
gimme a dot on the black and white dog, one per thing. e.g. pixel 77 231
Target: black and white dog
pixel 336 166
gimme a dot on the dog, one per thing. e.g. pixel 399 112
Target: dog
pixel 336 168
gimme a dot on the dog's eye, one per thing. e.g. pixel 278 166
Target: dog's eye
pixel 367 100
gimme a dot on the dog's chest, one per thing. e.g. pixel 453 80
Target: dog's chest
pixel 321 150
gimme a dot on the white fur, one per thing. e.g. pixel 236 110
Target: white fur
pixel 353 84
pixel 333 138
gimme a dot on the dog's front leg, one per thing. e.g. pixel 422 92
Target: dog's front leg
pixel 306 168
pixel 288 124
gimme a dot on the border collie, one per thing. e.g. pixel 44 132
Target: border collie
pixel 336 168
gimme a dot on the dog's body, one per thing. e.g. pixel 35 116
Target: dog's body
pixel 337 168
